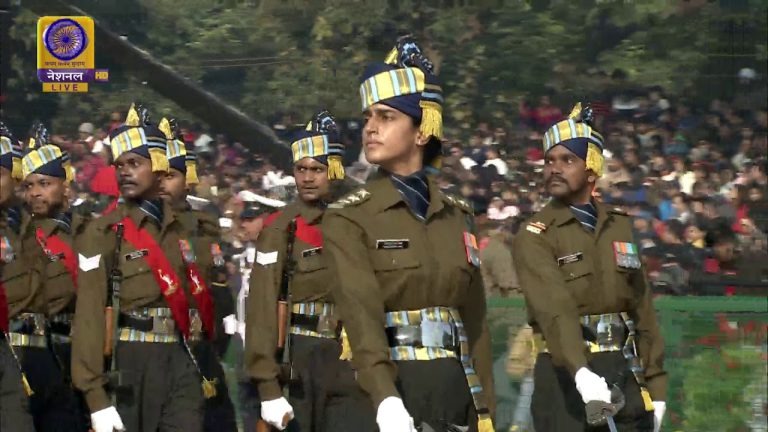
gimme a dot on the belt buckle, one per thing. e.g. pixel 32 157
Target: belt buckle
pixel 162 325
pixel 195 323
pixel 609 331
pixel 326 325
pixel 435 334
pixel 39 325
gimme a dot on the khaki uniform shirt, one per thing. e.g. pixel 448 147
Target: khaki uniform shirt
pixel 566 272
pixel 312 280
pixel 57 293
pixel 139 289
pixel 424 264
pixel 20 278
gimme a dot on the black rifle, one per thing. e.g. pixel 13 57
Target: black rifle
pixel 284 306
pixel 112 316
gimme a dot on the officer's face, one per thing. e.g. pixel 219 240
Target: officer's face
pixel 565 174
pixel 7 185
pixel 135 177
pixel 44 194
pixel 390 138
pixel 173 186
pixel 311 179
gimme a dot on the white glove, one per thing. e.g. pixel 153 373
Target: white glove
pixel 274 411
pixel 106 420
pixel 659 408
pixel 230 324
pixel 391 416
pixel 591 386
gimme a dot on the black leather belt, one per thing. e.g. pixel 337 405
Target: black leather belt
pixel 60 324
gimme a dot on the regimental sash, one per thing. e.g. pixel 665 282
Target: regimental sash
pixel 309 234
pixel 57 249
pixel 162 271
pixel 200 291
pixel 3 309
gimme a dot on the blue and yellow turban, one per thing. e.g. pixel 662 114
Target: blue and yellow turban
pixel 179 157
pixel 406 82
pixel 46 159
pixel 576 134
pixel 321 142
pixel 10 153
pixel 137 135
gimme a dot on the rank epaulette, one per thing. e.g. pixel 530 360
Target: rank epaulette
pixel 459 202
pixel 351 199
pixel 536 227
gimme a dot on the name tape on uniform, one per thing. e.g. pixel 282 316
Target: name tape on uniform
pixel 139 253
pixel 568 259
pixel 311 252
pixel 392 244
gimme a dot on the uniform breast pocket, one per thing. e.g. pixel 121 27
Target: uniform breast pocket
pixel 13 270
pixel 56 269
pixel 310 264
pixel 577 275
pixel 394 259
pixel 135 270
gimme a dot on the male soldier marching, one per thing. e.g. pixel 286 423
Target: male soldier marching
pixel 141 248
pixel 48 238
pixel 291 268
pixel 203 231
pixel 587 295
pixel 15 281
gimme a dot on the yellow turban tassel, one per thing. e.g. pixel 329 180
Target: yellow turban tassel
pixel 595 159
pixel 159 160
pixel 191 173
pixel 335 168
pixel 69 170
pixel 16 171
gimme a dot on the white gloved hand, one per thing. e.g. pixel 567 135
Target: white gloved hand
pixel 230 324
pixel 276 411
pixel 391 416
pixel 106 420
pixel 659 408
pixel 592 386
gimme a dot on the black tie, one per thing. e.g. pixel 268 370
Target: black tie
pixel 586 214
pixel 415 192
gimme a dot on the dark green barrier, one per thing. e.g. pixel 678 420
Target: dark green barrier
pixel 715 356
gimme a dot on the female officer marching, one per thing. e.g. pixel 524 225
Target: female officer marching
pixel 410 291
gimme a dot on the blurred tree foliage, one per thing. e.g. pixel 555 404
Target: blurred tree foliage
pixel 294 56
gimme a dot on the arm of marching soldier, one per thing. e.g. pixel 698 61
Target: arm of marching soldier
pixel 358 300
pixel 89 327
pixel 650 344
pixel 261 313
pixel 549 303
pixel 479 337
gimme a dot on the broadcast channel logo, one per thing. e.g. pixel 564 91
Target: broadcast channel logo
pixel 66 54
